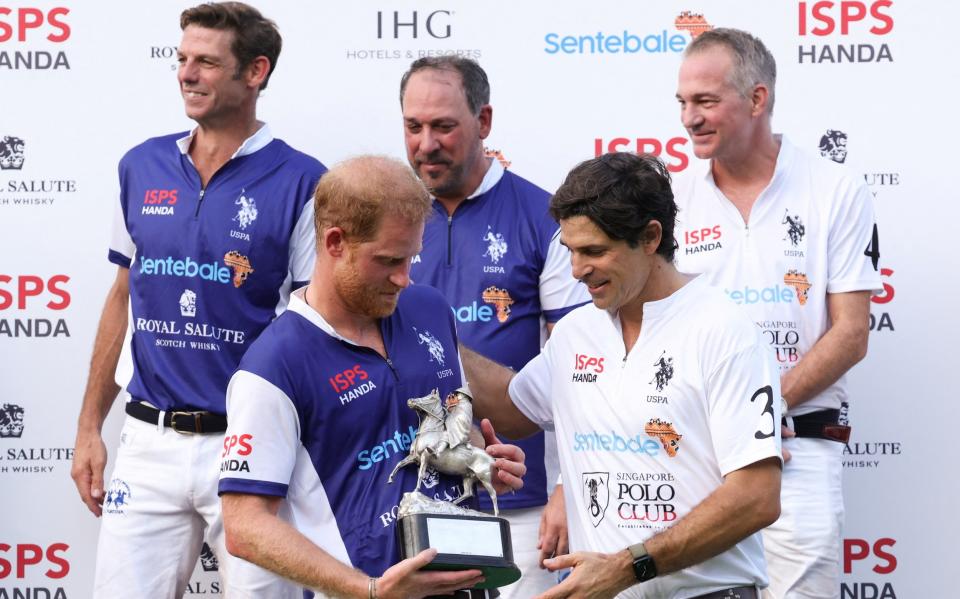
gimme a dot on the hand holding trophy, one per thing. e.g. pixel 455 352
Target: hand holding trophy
pixel 465 539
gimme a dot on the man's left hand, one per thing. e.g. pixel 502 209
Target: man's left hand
pixel 594 575
pixel 508 460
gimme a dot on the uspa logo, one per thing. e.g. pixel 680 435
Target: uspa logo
pixel 11 421
pixel 663 374
pixel 26 191
pixel 833 145
pixel 31 36
pixel 857 28
pixel 434 347
pixel 692 23
pixel 11 153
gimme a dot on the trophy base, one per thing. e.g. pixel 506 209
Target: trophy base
pixel 463 542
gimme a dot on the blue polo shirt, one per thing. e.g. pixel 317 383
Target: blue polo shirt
pixel 210 266
pixel 322 421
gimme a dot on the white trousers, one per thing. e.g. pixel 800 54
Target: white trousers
pixel 161 499
pixel 803 547
pixel 525 532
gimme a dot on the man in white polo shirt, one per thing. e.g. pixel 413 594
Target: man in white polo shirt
pixel 792 239
pixel 663 398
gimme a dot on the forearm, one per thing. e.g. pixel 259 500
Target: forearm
pixel 260 537
pixel 489 386
pixel 841 347
pixel 101 388
pixel 747 501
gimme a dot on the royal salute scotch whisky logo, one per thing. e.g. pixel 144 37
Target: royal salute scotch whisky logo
pixel 11 153
pixel 692 23
pixel 500 299
pixel 833 145
pixel 667 435
pixel 208 560
pixel 596 495
pixel 188 303
pixel 11 421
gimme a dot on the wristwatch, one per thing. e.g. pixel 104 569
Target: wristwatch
pixel 643 566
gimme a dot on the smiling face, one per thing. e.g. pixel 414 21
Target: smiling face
pixel 214 90
pixel 716 115
pixel 444 139
pixel 371 275
pixel 615 274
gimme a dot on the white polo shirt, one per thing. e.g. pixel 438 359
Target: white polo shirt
pixel 811 232
pixel 646 436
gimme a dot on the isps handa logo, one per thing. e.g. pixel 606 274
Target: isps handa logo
pixel 31 38
pixel 857 29
pixel 872 559
pixel 31 306
pixel 40 563
pixel 671 150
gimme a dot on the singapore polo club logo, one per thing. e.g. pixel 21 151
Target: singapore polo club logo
pixel 596 495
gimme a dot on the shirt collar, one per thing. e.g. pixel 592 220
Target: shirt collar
pixel 493 176
pixel 257 141
pixel 298 303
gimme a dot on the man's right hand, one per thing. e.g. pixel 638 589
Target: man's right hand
pixel 89 461
pixel 405 580
pixel 553 527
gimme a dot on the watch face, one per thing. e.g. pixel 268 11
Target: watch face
pixel 644 568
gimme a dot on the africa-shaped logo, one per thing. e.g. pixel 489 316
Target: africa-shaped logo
pixel 240 265
pixel 695 23
pixel 498 155
pixel 800 284
pixel 664 431
pixel 500 298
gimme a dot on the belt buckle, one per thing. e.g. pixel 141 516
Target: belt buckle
pixel 197 428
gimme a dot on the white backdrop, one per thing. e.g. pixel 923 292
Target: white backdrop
pixel 83 81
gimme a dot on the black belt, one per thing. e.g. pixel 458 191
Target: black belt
pixel 182 422
pixel 822 424
pixel 732 593
pixel 468 594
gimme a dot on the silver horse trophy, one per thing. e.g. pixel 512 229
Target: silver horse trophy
pixel 465 539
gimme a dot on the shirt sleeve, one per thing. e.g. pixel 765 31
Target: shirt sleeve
pixel 122 248
pixel 303 247
pixel 852 242
pixel 743 395
pixel 263 436
pixel 530 390
pixel 559 291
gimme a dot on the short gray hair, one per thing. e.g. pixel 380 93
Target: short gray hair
pixel 752 63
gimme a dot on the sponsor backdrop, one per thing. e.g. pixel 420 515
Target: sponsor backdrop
pixel 864 83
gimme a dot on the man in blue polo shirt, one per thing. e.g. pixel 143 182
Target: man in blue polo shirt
pixel 492 249
pixel 318 407
pixel 213 231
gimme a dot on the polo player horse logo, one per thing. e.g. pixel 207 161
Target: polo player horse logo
pixel 248 210
pixel 664 371
pixel 496 245
pixel 795 228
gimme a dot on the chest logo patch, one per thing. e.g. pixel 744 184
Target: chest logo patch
pixel 500 299
pixel 240 265
pixel 596 495
pixel 801 285
pixel 795 228
pixel 496 246
pixel 666 433
pixel 248 210
pixel 188 303
pixel 664 371
pixel 433 345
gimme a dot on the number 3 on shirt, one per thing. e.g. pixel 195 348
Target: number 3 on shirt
pixel 767 409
